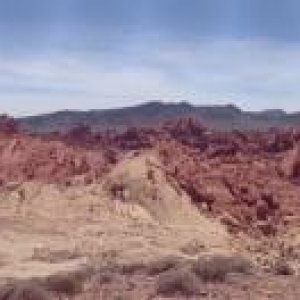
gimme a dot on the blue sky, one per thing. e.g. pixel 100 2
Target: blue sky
pixel 83 54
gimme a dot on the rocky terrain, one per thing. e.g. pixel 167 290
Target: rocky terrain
pixel 174 210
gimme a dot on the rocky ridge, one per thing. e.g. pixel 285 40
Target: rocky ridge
pixel 248 179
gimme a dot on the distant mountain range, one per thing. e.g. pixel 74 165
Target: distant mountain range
pixel 219 117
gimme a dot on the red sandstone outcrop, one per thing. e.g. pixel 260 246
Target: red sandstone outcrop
pixel 31 158
pixel 237 176
pixel 291 163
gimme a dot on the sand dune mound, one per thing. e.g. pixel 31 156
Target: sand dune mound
pixel 135 212
pixel 142 181
pixel 137 188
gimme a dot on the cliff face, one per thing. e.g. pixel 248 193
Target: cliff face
pixel 226 117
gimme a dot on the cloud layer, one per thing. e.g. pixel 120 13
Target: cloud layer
pixel 253 74
pixel 82 54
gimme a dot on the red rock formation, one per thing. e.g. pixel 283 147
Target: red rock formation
pixel 30 158
pixel 291 163
pixel 237 176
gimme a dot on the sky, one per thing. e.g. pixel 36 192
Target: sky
pixel 94 54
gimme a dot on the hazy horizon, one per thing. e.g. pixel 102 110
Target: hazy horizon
pixel 96 54
pixel 162 102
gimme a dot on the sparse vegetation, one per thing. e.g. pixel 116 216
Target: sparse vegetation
pixel 139 209
pixel 55 256
pixel 193 247
pixel 163 264
pixel 69 284
pixel 24 291
pixel 282 267
pixel 216 268
pixel 178 281
pixel 105 277
pixel 132 267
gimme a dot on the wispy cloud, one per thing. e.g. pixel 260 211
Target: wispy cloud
pixel 253 74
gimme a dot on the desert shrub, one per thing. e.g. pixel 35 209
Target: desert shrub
pixel 132 268
pixel 105 277
pixel 282 267
pixel 216 268
pixel 128 189
pixel 24 291
pixel 108 260
pixel 3 260
pixel 69 284
pixel 54 256
pixel 152 268
pixel 123 296
pixel 193 247
pixel 163 264
pixel 178 281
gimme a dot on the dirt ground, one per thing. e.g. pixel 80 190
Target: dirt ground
pixel 48 229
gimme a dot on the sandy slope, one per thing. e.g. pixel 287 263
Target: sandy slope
pixel 48 228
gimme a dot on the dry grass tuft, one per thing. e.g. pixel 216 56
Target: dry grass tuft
pixel 216 268
pixel 193 247
pixel 55 256
pixel 24 291
pixel 163 264
pixel 69 284
pixel 132 268
pixel 178 281
pixel 105 277
pixel 282 267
